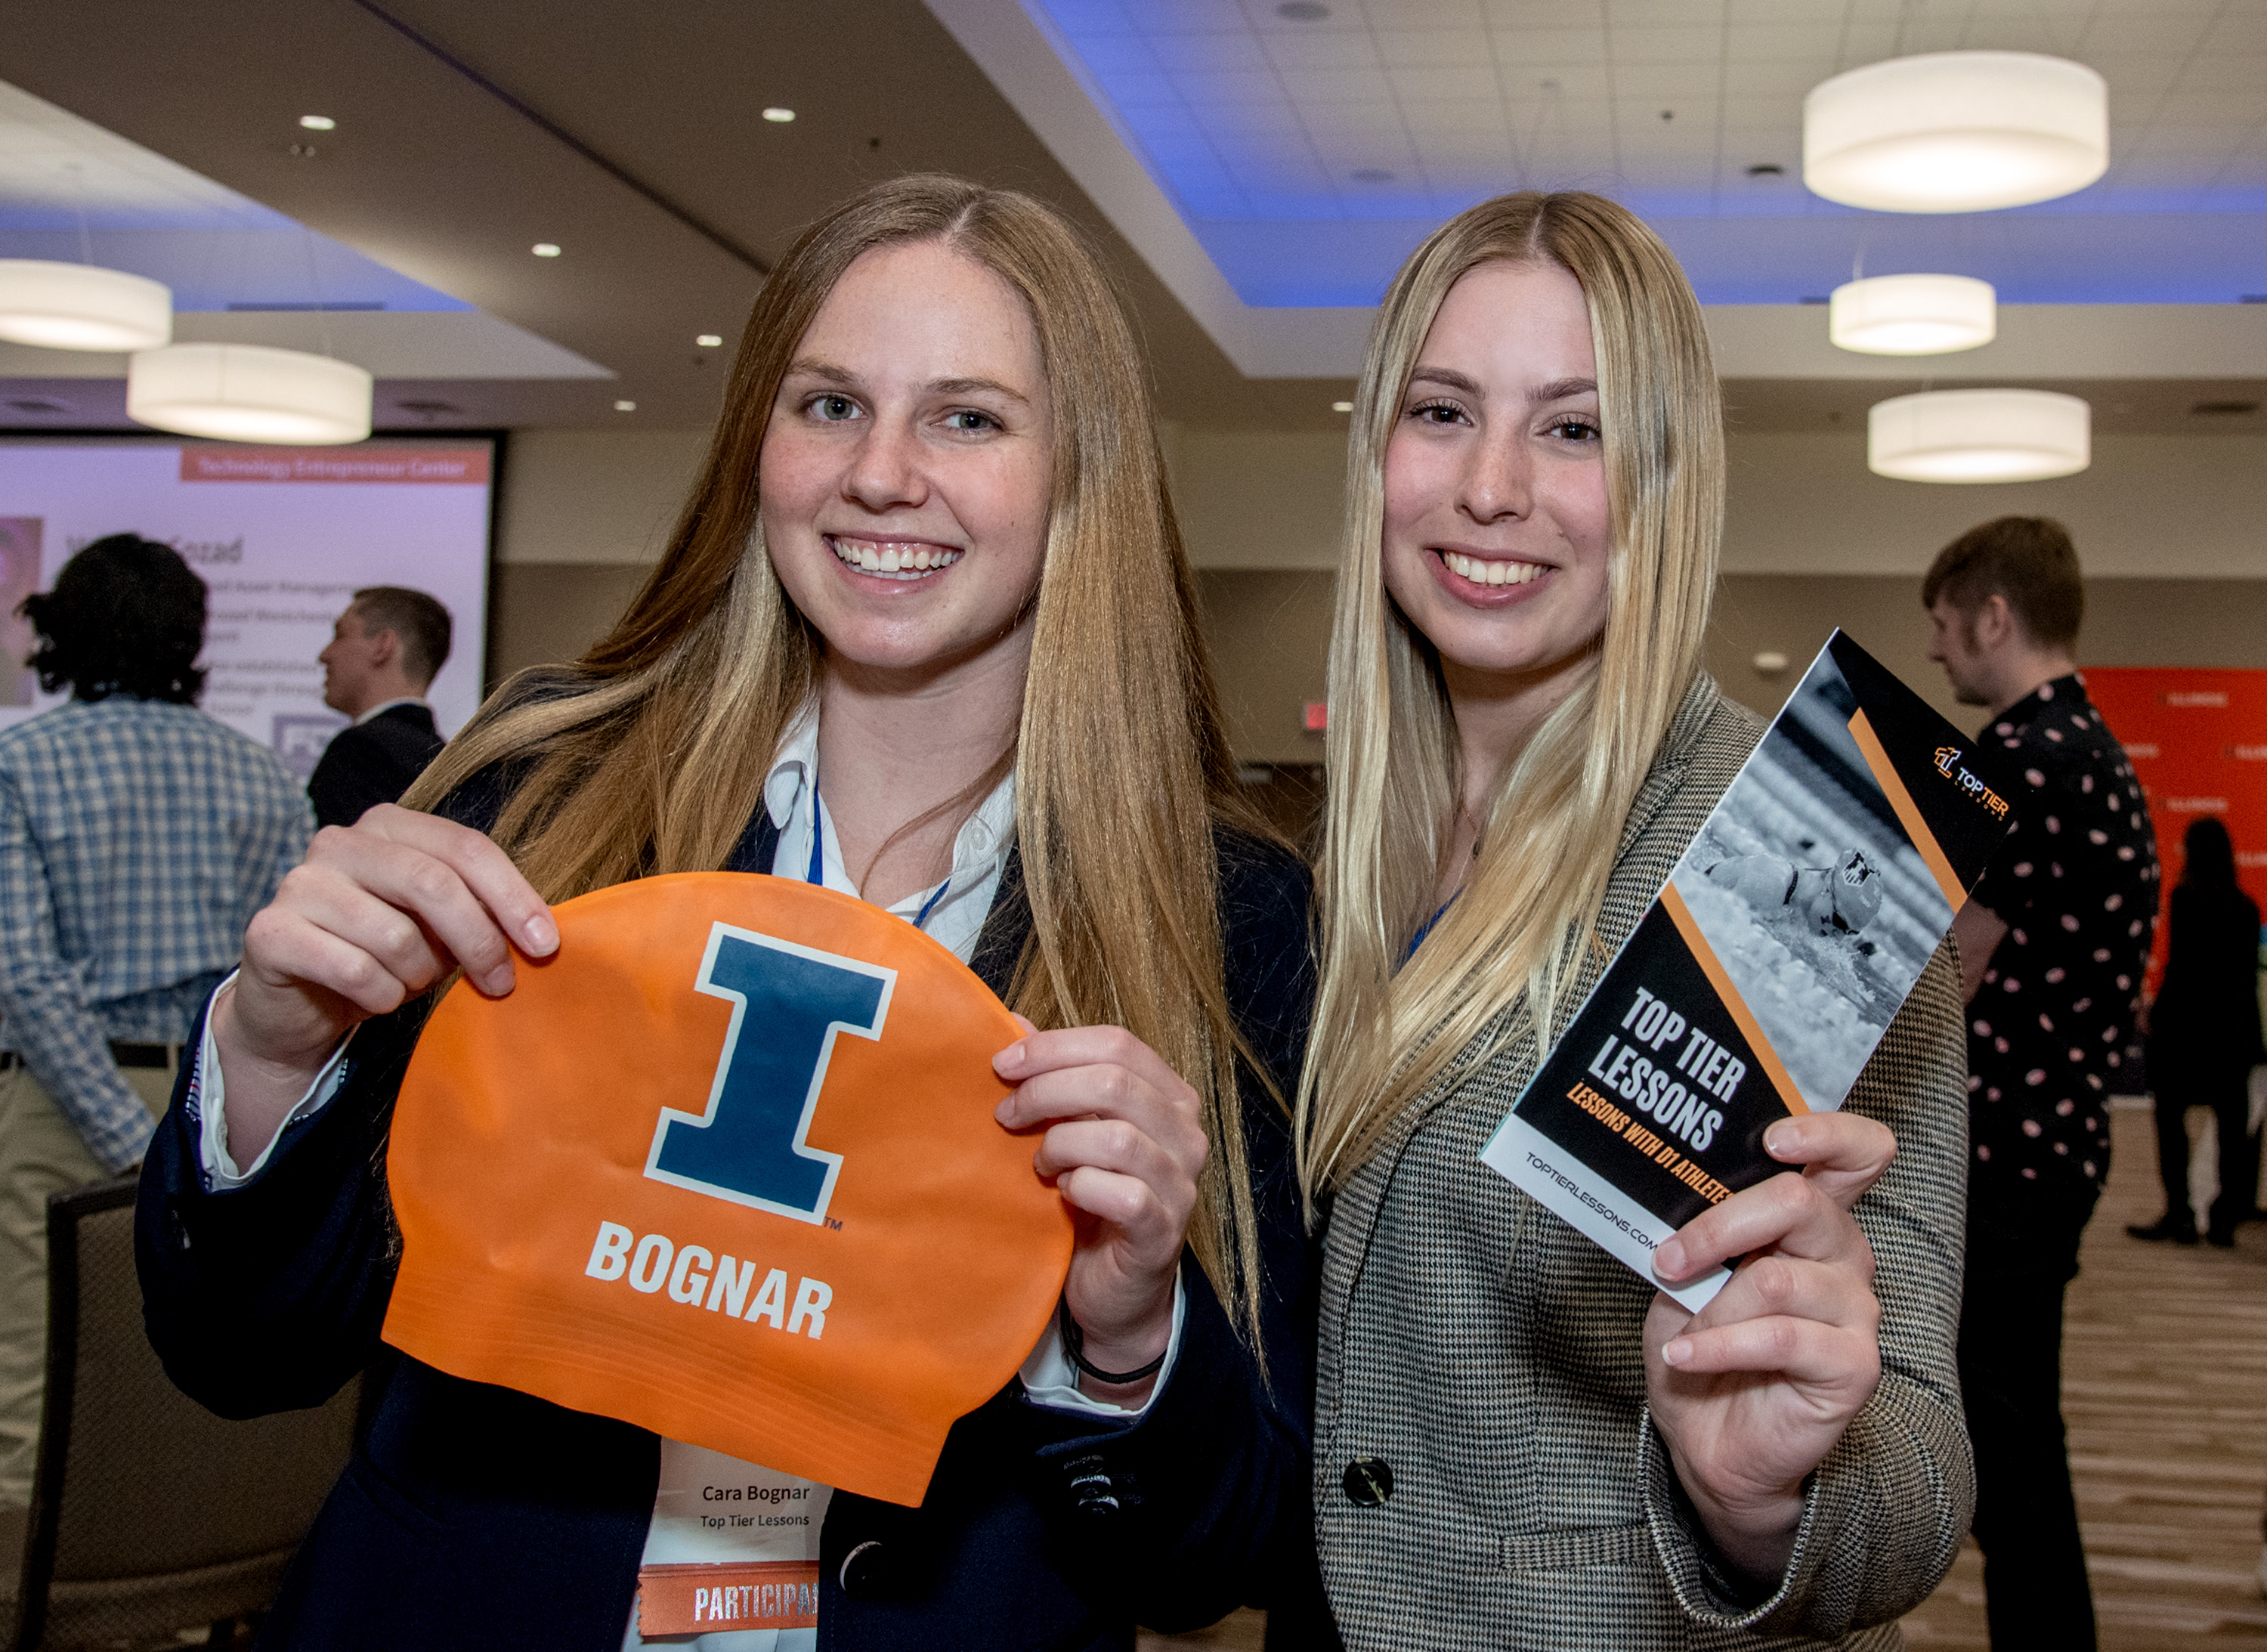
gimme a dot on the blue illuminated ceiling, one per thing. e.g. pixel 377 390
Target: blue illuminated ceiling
pixel 1310 146
pixel 72 192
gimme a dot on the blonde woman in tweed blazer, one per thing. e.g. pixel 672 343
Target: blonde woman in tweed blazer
pixel 1519 1443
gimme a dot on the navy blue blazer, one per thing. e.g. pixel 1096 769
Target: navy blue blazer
pixel 477 1517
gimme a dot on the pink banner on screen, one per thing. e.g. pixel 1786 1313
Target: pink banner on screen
pixel 2199 740
pixel 416 465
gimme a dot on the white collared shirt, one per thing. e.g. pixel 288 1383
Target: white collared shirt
pixel 955 909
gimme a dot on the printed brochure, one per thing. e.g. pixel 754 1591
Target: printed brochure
pixel 1759 981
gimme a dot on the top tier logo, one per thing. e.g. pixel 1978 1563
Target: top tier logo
pixel 1949 765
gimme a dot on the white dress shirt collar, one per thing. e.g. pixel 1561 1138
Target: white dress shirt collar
pixel 956 908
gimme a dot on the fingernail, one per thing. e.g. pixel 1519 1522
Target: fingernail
pixel 1677 1352
pixel 1783 1138
pixel 1010 1060
pixel 1668 1260
pixel 498 982
pixel 1005 1110
pixel 542 934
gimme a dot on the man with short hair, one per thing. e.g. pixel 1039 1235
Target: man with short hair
pixel 2052 944
pixel 137 838
pixel 383 655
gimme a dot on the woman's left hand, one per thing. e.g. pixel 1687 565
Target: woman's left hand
pixel 1751 1392
pixel 1124 1145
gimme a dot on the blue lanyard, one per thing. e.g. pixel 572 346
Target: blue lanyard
pixel 1427 927
pixel 817 873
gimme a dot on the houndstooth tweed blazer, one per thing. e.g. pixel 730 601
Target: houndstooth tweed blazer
pixel 1490 1355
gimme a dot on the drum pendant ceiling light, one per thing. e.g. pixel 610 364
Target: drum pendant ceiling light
pixel 1912 315
pixel 82 307
pixel 247 393
pixel 1971 435
pixel 1955 132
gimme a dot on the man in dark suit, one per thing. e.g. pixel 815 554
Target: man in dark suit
pixel 383 655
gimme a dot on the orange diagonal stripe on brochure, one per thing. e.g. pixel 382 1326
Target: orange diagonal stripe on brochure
pixel 1893 787
pixel 1713 966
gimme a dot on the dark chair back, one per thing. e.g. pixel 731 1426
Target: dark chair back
pixel 149 1513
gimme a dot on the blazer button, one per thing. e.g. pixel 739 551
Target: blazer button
pixel 1092 1490
pixel 861 1572
pixel 1368 1482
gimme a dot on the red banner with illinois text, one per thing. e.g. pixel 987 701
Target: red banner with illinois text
pixel 2197 739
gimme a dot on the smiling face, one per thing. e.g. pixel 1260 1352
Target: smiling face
pixel 1496 523
pixel 906 476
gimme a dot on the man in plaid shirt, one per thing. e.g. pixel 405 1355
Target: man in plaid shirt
pixel 137 837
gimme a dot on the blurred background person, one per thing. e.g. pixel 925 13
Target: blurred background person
pixel 2052 946
pixel 383 655
pixel 137 837
pixel 2203 1037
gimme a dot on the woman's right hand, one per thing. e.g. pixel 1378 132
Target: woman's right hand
pixel 378 912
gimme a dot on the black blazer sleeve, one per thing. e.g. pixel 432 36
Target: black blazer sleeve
pixel 270 1296
pixel 1190 1503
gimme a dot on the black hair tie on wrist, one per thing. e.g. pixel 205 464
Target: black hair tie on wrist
pixel 1073 1341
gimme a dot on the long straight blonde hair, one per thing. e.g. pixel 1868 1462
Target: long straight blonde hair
pixel 1550 833
pixel 650 756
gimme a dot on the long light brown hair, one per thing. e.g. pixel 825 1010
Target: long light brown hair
pixel 1550 832
pixel 655 760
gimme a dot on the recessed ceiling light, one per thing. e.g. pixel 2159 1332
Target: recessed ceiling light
pixel 1342 406
pixel 626 407
pixel 545 249
pixel 709 341
pixel 1371 175
pixel 779 114
pixel 317 122
pixel 1767 169
pixel 1302 10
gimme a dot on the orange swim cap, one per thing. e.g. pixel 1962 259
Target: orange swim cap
pixel 725 1166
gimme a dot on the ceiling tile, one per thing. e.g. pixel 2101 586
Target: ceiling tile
pixel 1663 45
pixel 1749 42
pixel 1462 83
pixel 1682 86
pixel 1212 52
pixel 1179 17
pixel 2108 38
pixel 1336 86
pixel 1199 86
pixel 1446 116
pixel 2238 29
pixel 1340 49
pixel 1550 45
pixel 1424 14
pixel 1427 48
pixel 1663 13
pixel 1134 90
pixel 1543 14
pixel 1773 11
pixel 1785 82
pixel 2217 71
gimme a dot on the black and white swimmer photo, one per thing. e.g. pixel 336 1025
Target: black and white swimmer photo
pixel 1810 893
